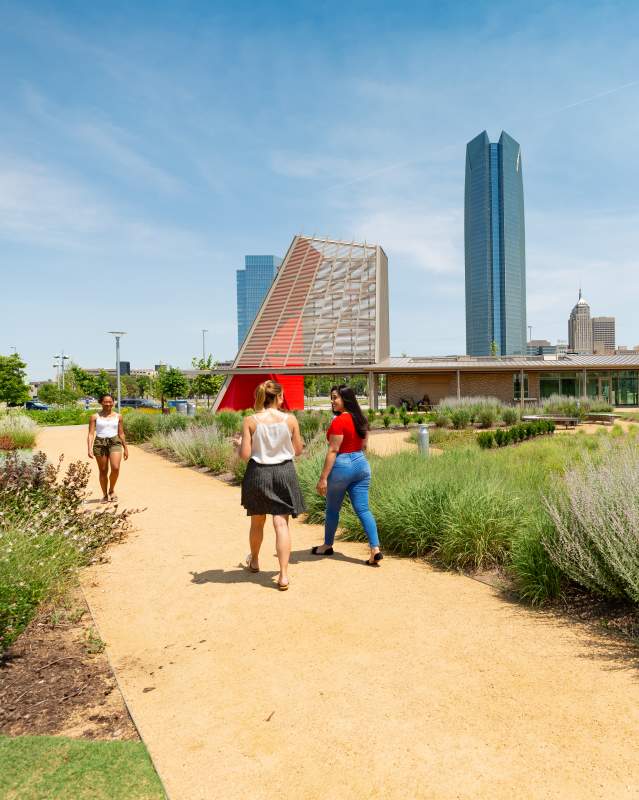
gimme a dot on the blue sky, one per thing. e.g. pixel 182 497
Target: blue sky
pixel 146 148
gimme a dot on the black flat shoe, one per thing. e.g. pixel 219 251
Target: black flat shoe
pixel 376 559
pixel 328 552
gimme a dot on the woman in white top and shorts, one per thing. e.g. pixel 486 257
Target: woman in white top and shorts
pixel 106 442
pixel 270 441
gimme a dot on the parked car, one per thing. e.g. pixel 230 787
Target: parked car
pixel 36 405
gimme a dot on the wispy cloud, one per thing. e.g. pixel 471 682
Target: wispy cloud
pixel 43 207
pixel 103 138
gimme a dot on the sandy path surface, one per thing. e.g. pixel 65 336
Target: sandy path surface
pixel 400 682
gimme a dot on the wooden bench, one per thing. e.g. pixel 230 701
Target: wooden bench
pixel 567 422
pixel 605 417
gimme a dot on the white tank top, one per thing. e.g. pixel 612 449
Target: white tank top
pixel 106 427
pixel 271 442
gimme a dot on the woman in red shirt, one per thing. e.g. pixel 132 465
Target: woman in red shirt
pixel 347 470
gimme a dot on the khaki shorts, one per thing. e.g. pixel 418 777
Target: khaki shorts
pixel 104 445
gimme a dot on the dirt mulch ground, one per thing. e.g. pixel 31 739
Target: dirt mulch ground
pixel 56 679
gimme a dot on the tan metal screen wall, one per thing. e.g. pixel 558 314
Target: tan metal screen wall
pixel 322 308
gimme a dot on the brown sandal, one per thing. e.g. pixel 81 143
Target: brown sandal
pixel 249 564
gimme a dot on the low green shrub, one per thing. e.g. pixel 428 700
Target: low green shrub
pixel 486 439
pixel 140 427
pixel 310 424
pixel 509 415
pixel 386 420
pixel 45 534
pixel 371 416
pixel 460 417
pixel 391 410
pixel 229 422
pixel 486 417
pixel 165 423
pixel 442 420
pixel 68 415
pixel 404 418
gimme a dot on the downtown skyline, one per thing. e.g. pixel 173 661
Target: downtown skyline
pixel 180 149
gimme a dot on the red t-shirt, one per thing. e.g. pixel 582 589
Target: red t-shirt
pixel 343 425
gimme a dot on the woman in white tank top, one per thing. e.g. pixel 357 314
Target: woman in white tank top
pixel 270 441
pixel 106 442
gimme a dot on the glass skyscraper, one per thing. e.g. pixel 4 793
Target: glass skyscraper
pixel 495 251
pixel 253 282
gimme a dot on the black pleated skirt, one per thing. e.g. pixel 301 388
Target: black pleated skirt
pixel 272 489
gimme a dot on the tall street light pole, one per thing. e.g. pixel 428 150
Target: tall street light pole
pixel 61 358
pixel 117 335
pixel 204 332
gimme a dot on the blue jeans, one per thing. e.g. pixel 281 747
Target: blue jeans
pixel 351 473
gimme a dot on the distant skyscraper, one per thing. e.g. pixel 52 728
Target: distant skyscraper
pixel 253 282
pixel 580 328
pixel 495 250
pixel 603 334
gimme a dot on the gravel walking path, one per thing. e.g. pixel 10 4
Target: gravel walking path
pixel 401 682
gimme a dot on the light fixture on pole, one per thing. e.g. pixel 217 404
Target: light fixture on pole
pixel 61 358
pixel 117 335
pixel 204 331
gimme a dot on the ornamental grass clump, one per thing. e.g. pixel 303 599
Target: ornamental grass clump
pixel 310 424
pixel 46 533
pixel 228 422
pixel 198 447
pixel 460 417
pixel 139 427
pixel 172 422
pixel 596 519
pixel 509 415
pixel 17 432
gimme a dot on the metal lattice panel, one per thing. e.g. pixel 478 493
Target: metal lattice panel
pixel 322 308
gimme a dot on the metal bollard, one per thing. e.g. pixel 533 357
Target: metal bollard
pixel 422 440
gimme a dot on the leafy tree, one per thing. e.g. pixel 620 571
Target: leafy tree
pixel 169 383
pixel 14 389
pixel 103 383
pixel 50 392
pixel 80 380
pixel 144 384
pixel 207 385
pixel 130 386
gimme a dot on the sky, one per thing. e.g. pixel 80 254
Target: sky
pixel 146 147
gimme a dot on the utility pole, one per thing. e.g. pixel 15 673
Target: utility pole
pixel 204 332
pixel 61 358
pixel 117 335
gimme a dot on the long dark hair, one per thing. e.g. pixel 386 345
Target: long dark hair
pixel 352 406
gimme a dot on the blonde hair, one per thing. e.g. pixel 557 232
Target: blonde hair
pixel 266 394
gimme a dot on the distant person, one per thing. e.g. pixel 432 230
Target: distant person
pixel 106 441
pixel 347 470
pixel 270 441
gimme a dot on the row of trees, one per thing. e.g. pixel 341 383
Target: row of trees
pixel 320 385
pixel 167 384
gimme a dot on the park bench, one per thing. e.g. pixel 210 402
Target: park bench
pixel 567 422
pixel 605 417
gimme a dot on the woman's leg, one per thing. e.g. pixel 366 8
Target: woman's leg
pixel 103 466
pixel 115 459
pixel 335 493
pixel 282 545
pixel 256 535
pixel 358 493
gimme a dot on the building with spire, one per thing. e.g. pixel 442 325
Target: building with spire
pixel 580 327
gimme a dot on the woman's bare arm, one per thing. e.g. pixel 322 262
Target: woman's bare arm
pixel 91 435
pixel 296 436
pixel 122 437
pixel 245 444
pixel 334 444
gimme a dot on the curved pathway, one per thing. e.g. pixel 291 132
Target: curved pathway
pixel 401 682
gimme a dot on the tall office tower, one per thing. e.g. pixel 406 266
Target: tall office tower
pixel 580 328
pixel 495 249
pixel 253 282
pixel 603 334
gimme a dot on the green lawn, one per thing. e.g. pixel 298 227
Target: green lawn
pixel 56 768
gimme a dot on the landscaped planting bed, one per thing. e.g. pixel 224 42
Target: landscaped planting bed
pixel 510 509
